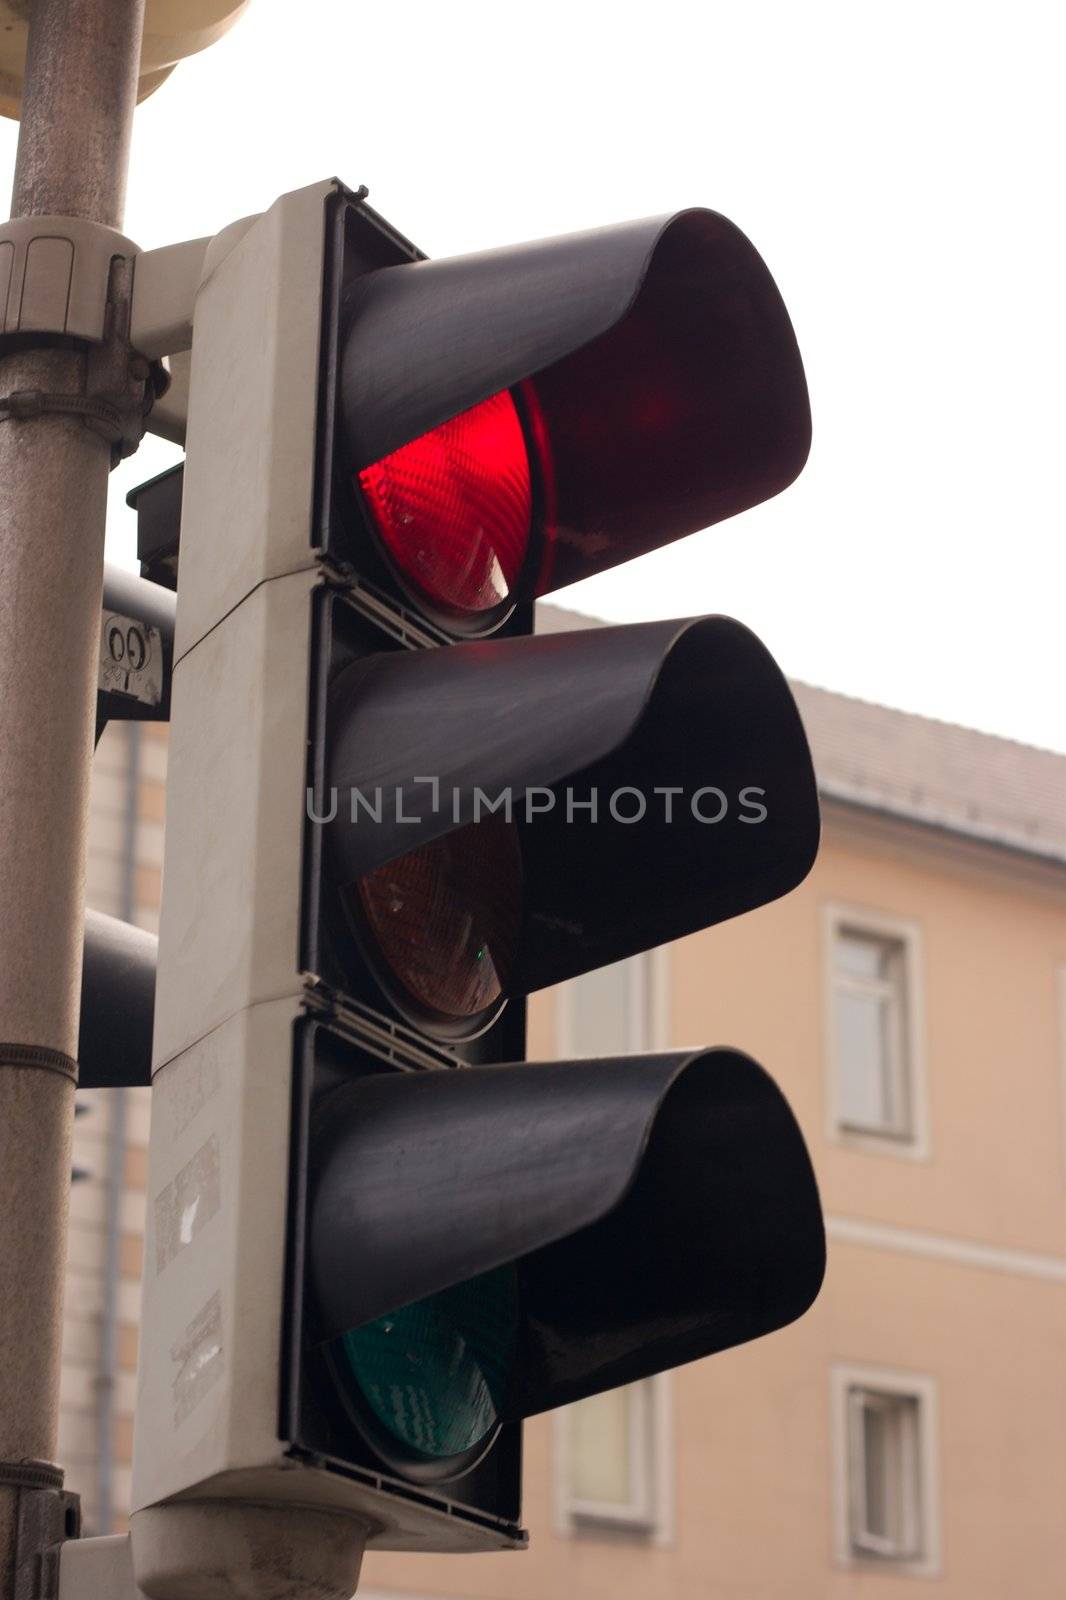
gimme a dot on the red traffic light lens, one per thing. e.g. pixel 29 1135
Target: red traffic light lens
pixel 446 919
pixel 454 508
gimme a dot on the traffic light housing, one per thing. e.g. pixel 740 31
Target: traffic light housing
pixel 378 1239
pixel 648 373
pixel 136 650
pixel 117 1004
pixel 119 960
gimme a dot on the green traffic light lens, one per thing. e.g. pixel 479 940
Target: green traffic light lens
pixel 433 1374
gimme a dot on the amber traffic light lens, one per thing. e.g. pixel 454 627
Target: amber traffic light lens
pixel 445 919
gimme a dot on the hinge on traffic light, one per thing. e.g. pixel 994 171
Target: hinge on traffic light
pixel 389 615
pixel 46 1515
pixel 383 1037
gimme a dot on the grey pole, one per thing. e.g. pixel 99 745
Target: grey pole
pixel 77 113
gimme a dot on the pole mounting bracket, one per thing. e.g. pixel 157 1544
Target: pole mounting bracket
pixel 65 279
pixel 46 1515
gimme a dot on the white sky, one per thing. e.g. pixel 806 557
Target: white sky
pixel 900 166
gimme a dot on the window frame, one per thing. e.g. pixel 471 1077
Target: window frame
pixel 647 1022
pixel 919 1551
pixel 909 1137
pixel 904 1412
pixel 638 1509
pixel 649 1511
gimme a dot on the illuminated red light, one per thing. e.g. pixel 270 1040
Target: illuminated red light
pixel 454 508
pixel 446 918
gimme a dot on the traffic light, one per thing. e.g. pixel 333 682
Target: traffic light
pixel 379 1238
pixel 119 960
pixel 136 650
pixel 117 1004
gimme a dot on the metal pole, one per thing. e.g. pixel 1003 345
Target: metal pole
pixel 77 113
pixel 77 109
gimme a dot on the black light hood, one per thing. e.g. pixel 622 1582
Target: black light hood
pixel 117 1004
pixel 658 1208
pixel 666 378
pixel 695 705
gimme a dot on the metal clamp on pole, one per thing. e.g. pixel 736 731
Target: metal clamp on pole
pixel 66 279
pixel 47 1515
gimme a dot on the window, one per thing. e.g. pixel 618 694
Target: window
pixel 614 1455
pixel 613 1010
pixel 610 1466
pixel 871 1008
pixel 613 1460
pixel 884 1440
pixel 876 1093
pixel 883 1502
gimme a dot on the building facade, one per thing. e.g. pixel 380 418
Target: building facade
pixel 110 1156
pixel 910 998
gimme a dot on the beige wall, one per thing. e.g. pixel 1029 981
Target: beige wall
pixel 991 955
pixel 951 1268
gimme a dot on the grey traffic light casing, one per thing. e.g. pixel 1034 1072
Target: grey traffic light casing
pixel 229 985
pixel 243 1000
